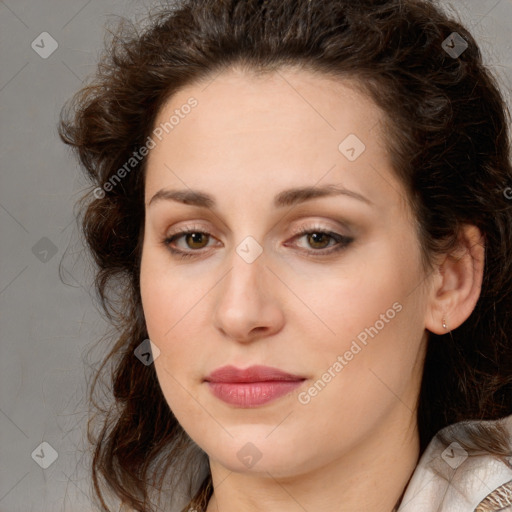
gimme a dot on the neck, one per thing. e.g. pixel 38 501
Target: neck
pixel 371 476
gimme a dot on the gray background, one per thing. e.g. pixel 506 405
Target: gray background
pixel 47 326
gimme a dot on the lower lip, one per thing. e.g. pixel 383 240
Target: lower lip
pixel 252 394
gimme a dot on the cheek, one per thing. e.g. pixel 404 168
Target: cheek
pixel 168 295
pixel 339 306
pixel 175 311
pixel 171 320
pixel 372 318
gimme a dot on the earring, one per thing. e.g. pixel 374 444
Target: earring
pixel 444 324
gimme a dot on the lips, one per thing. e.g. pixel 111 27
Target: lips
pixel 251 387
pixel 251 374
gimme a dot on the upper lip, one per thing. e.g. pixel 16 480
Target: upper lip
pixel 251 374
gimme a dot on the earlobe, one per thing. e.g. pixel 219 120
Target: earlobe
pixel 458 284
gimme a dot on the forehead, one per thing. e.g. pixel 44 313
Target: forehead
pixel 287 127
pixel 297 100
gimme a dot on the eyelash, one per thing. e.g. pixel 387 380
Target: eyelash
pixel 342 241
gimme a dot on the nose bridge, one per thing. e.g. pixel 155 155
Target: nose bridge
pixel 247 260
pixel 245 279
pixel 244 300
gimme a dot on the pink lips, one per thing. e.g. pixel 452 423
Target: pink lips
pixel 251 387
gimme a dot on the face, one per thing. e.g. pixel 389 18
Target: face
pixel 326 288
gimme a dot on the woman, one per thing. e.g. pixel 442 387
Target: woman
pixel 303 205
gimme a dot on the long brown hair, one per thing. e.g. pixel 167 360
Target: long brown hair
pixel 447 131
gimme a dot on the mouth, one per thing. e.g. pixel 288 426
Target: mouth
pixel 251 387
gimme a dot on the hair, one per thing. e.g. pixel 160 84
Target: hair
pixel 446 129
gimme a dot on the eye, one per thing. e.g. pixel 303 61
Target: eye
pixel 194 239
pixel 320 239
pixel 322 242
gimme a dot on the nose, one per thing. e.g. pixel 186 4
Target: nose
pixel 247 304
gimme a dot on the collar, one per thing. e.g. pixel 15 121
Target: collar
pixel 449 479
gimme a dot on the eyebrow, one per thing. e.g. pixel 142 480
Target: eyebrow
pixel 288 197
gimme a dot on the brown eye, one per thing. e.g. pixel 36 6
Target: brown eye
pixel 187 243
pixel 319 240
pixel 196 240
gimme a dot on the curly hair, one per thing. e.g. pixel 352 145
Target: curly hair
pixel 447 133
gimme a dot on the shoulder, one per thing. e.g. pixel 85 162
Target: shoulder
pixel 457 474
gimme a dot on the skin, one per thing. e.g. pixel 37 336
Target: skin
pixel 355 444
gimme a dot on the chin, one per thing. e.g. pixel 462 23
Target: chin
pixel 254 452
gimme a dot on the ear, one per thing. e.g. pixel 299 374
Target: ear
pixel 457 283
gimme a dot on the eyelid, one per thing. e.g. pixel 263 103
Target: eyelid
pixel 311 225
pixel 186 228
pixel 341 240
pixel 304 225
